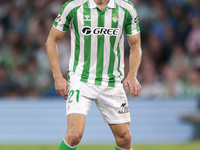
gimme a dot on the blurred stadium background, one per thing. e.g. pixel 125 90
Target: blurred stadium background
pixel 167 110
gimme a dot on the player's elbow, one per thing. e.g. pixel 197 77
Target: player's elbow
pixel 136 50
pixel 140 52
pixel 49 42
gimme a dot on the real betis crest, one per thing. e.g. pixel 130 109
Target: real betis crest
pixel 114 18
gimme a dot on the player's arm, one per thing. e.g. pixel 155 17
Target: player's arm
pixel 61 84
pixel 134 62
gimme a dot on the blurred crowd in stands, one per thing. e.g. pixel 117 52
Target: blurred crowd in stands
pixel 170 32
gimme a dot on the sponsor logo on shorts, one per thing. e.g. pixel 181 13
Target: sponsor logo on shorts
pixel 123 109
pixel 100 31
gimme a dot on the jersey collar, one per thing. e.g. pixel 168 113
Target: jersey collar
pixel 92 4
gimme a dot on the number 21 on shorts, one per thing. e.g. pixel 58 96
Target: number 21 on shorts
pixel 71 93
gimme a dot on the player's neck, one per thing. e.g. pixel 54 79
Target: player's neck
pixel 101 3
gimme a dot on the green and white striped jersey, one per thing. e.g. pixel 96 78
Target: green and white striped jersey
pixel 97 39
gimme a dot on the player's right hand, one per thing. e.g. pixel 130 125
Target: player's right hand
pixel 134 85
pixel 61 86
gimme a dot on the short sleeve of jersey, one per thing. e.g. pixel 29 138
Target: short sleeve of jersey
pixel 132 23
pixel 62 21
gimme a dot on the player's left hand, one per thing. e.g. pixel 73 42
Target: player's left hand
pixel 134 85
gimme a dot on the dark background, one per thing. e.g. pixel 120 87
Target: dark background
pixel 170 32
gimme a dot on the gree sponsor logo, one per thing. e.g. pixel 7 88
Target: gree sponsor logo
pixel 86 30
pixel 100 31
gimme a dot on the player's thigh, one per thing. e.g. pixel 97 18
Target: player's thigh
pixel 80 98
pixel 75 123
pixel 113 105
pixel 120 130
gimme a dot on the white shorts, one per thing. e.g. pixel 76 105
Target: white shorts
pixel 111 101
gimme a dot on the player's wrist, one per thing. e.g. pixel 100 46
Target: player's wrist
pixel 58 77
pixel 132 74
